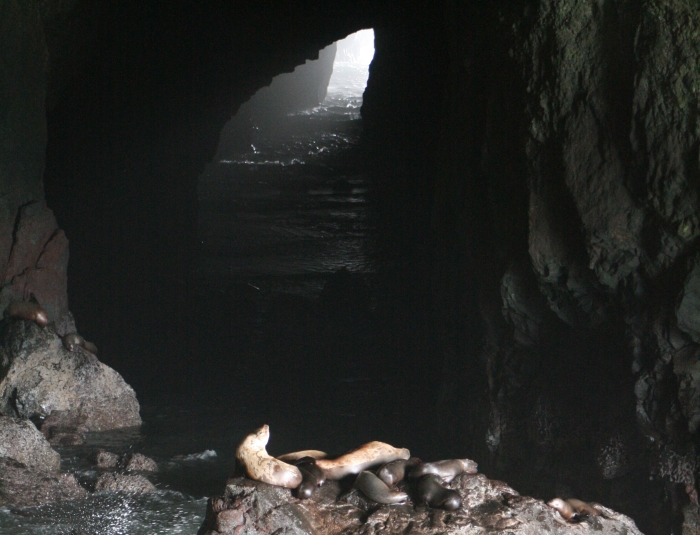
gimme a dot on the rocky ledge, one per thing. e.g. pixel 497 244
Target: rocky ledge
pixel 40 377
pixel 251 507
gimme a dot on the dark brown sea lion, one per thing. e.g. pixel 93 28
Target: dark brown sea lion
pixel 27 311
pixel 393 472
pixel 73 340
pixel 378 491
pixel 573 510
pixel 89 346
pixel 431 492
pixel 260 466
pixel 312 477
pixel 366 456
pixel 447 470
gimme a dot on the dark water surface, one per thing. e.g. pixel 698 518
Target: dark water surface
pixel 290 342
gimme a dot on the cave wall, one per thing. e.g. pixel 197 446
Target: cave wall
pixel 33 250
pixel 565 220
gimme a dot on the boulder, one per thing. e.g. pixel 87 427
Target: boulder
pixel 487 505
pixel 21 441
pixel 39 376
pixel 26 487
pixel 105 460
pixel 137 462
pixel 126 483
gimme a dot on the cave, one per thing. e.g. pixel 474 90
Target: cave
pixel 518 193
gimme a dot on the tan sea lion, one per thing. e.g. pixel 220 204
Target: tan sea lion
pixel 296 455
pixel 260 466
pixel 582 508
pixel 366 456
pixel 447 470
pixel 27 311
pixel 572 509
pixel 378 491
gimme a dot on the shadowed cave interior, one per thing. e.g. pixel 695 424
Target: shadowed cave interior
pixel 494 257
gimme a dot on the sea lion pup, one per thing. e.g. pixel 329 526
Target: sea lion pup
pixel 312 477
pixel 260 466
pixel 431 492
pixel 297 455
pixel 447 470
pixel 27 311
pixel 572 510
pixel 357 460
pixel 393 472
pixel 378 491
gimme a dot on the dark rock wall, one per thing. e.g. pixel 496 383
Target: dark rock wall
pixel 566 217
pixel 33 250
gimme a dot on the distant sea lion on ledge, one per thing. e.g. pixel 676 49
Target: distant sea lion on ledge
pixel 447 470
pixel 73 340
pixel 27 311
pixel 89 346
pixel 367 455
pixel 260 466
pixel 376 490
pixel 297 455
pixel 572 509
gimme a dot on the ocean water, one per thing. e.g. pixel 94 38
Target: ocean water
pixel 281 210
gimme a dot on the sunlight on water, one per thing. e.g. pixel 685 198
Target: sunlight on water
pixel 162 512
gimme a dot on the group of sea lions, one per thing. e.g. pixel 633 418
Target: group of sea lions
pixel 306 470
pixel 32 311
pixel 309 469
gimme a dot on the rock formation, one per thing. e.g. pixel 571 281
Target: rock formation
pixel 39 376
pixel 253 507
pixel 29 468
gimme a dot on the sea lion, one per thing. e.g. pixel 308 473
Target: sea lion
pixel 447 470
pixel 378 491
pixel 431 492
pixel 312 477
pixel 73 340
pixel 260 466
pixel 357 460
pixel 572 509
pixel 27 311
pixel 89 346
pixel 393 472
pixel 296 455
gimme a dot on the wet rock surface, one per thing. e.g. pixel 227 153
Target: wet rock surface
pixel 39 376
pixel 137 462
pixel 487 505
pixel 20 440
pixel 26 487
pixel 125 483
